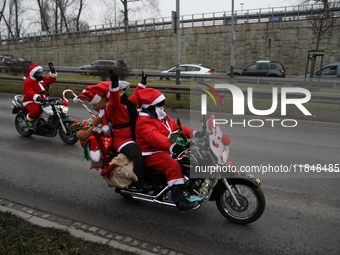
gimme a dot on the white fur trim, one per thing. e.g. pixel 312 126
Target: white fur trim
pixel 114 89
pixel 95 99
pixel 121 147
pixel 34 70
pixel 35 97
pixel 156 101
pixel 176 182
pixel 142 85
pixel 53 75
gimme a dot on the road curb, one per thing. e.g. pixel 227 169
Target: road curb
pixel 84 231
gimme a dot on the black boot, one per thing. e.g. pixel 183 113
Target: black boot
pixel 184 205
pixel 178 197
pixel 141 184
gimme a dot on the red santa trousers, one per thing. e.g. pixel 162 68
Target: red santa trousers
pixel 165 164
pixel 34 111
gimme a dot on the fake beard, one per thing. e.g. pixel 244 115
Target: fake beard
pixel 161 114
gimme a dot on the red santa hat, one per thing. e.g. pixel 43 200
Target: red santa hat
pixel 95 93
pixel 150 96
pixel 31 70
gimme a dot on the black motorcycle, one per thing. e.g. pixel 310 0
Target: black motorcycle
pixel 238 195
pixel 53 118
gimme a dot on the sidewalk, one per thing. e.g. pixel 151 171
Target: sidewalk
pixel 83 230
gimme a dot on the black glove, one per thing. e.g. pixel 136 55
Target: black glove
pixel 176 150
pixel 51 66
pixel 143 80
pixel 199 134
pixel 114 79
pixel 41 100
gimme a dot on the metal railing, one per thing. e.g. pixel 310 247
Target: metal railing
pixel 275 14
pixel 185 89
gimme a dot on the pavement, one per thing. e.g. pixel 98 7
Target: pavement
pixel 84 231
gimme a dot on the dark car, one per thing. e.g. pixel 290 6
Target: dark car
pixel 262 68
pixel 101 67
pixel 328 71
pixel 14 64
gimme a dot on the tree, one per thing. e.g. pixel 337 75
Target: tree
pixel 146 5
pixel 322 22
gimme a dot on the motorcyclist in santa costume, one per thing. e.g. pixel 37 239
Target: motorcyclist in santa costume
pixel 122 113
pixel 35 87
pixel 153 129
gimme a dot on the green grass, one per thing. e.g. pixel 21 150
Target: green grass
pixel 18 236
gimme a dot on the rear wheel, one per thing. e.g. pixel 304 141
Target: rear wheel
pixel 251 200
pixel 21 126
pixel 70 136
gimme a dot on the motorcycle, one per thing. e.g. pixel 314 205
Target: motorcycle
pixel 238 197
pixel 53 118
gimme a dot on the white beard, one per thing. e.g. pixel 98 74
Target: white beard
pixel 161 114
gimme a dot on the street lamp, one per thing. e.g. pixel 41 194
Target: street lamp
pixel 241 6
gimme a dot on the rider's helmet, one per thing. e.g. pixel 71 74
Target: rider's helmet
pixel 124 85
pixel 153 101
pixel 35 72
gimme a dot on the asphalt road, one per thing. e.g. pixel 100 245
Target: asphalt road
pixel 301 217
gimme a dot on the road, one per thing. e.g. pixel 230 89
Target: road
pixel 301 217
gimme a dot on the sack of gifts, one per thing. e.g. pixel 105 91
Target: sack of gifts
pixel 119 173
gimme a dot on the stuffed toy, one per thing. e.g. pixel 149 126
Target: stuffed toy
pixel 97 95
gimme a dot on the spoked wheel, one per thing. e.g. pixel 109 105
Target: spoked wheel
pixel 21 126
pixel 251 203
pixel 70 136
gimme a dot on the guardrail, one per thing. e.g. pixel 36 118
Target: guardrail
pixel 273 14
pixel 187 89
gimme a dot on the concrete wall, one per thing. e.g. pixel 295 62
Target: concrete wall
pixel 286 42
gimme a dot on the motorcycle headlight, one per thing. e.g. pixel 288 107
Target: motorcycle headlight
pixel 64 109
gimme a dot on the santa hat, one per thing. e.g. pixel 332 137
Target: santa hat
pixel 95 93
pixel 31 70
pixel 150 96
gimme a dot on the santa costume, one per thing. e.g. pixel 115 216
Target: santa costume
pixel 122 113
pixel 33 89
pixel 153 130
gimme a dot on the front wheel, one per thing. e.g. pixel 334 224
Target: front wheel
pixel 21 126
pixel 70 136
pixel 250 198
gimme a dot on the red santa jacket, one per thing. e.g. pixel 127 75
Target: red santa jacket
pixel 118 115
pixel 32 89
pixel 152 134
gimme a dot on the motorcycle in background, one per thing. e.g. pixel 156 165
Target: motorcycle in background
pixel 53 118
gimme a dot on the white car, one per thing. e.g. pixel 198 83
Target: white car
pixel 190 69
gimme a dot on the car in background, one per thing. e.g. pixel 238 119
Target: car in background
pixel 101 67
pixel 262 68
pixel 190 69
pixel 11 63
pixel 328 71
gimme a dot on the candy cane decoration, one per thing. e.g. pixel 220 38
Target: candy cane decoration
pixel 75 95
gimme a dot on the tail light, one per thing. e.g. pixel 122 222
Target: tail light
pixel 209 72
pixel 9 62
pixel 282 70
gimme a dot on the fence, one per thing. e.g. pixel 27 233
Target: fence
pixel 185 89
pixel 275 14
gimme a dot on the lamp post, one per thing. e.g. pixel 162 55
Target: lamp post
pixel 178 70
pixel 232 44
pixel 241 6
